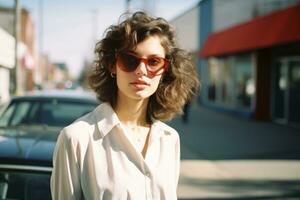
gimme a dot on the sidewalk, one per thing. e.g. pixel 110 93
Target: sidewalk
pixel 225 157
pixel 251 179
pixel 218 136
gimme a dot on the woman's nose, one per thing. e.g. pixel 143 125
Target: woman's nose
pixel 141 68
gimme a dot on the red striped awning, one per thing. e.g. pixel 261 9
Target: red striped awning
pixel 277 28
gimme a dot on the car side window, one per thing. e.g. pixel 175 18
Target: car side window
pixel 6 116
pixel 33 113
pixel 20 113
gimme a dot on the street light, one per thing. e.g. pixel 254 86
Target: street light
pixel 41 26
pixel 16 88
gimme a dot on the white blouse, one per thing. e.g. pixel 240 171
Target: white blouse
pixel 96 159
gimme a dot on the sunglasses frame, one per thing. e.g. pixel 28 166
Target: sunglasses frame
pixel 145 61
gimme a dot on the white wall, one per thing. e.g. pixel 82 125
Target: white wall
pixel 7 62
pixel 7 49
pixel 4 85
pixel 227 13
pixel 187 26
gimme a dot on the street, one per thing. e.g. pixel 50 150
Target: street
pixel 229 157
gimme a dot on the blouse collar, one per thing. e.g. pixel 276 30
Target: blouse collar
pixel 107 119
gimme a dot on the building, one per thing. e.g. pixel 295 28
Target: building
pixel 248 56
pixel 60 73
pixel 27 51
pixel 187 27
pixel 7 62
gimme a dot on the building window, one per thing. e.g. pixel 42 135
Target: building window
pixel 213 70
pixel 231 81
pixel 245 81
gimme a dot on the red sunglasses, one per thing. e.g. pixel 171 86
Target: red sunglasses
pixel 155 65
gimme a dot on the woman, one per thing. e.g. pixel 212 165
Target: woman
pixel 122 150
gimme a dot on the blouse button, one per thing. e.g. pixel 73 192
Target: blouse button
pixel 148 174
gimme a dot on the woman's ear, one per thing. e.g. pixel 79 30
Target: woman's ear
pixel 113 70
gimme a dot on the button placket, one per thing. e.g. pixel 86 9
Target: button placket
pixel 148 186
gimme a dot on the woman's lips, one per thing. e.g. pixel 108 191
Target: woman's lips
pixel 139 85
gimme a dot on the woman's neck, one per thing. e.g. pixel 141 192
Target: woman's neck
pixel 132 112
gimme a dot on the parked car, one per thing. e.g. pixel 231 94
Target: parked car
pixel 29 127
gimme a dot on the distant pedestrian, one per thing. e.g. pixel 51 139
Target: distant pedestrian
pixel 122 150
pixel 186 110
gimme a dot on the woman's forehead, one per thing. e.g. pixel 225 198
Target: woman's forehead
pixel 149 46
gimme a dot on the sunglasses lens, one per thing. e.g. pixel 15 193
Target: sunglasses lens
pixel 128 62
pixel 155 63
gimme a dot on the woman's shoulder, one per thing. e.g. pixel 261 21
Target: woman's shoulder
pixel 80 128
pixel 85 126
pixel 167 129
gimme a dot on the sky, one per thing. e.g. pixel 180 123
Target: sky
pixel 68 29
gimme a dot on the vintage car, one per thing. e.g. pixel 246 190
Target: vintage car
pixel 29 127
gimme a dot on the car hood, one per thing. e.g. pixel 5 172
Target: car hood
pixel 27 144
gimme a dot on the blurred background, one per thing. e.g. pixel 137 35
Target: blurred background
pixel 240 139
pixel 56 39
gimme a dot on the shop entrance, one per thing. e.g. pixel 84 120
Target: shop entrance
pixel 286 98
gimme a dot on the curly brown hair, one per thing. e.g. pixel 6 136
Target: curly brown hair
pixel 179 84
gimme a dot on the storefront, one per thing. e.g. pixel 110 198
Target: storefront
pixel 231 82
pixel 286 90
pixel 254 68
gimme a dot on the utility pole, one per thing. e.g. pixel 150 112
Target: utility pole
pixel 128 6
pixel 16 89
pixel 41 28
pixel 43 71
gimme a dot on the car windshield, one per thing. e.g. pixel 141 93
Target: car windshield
pixel 50 112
